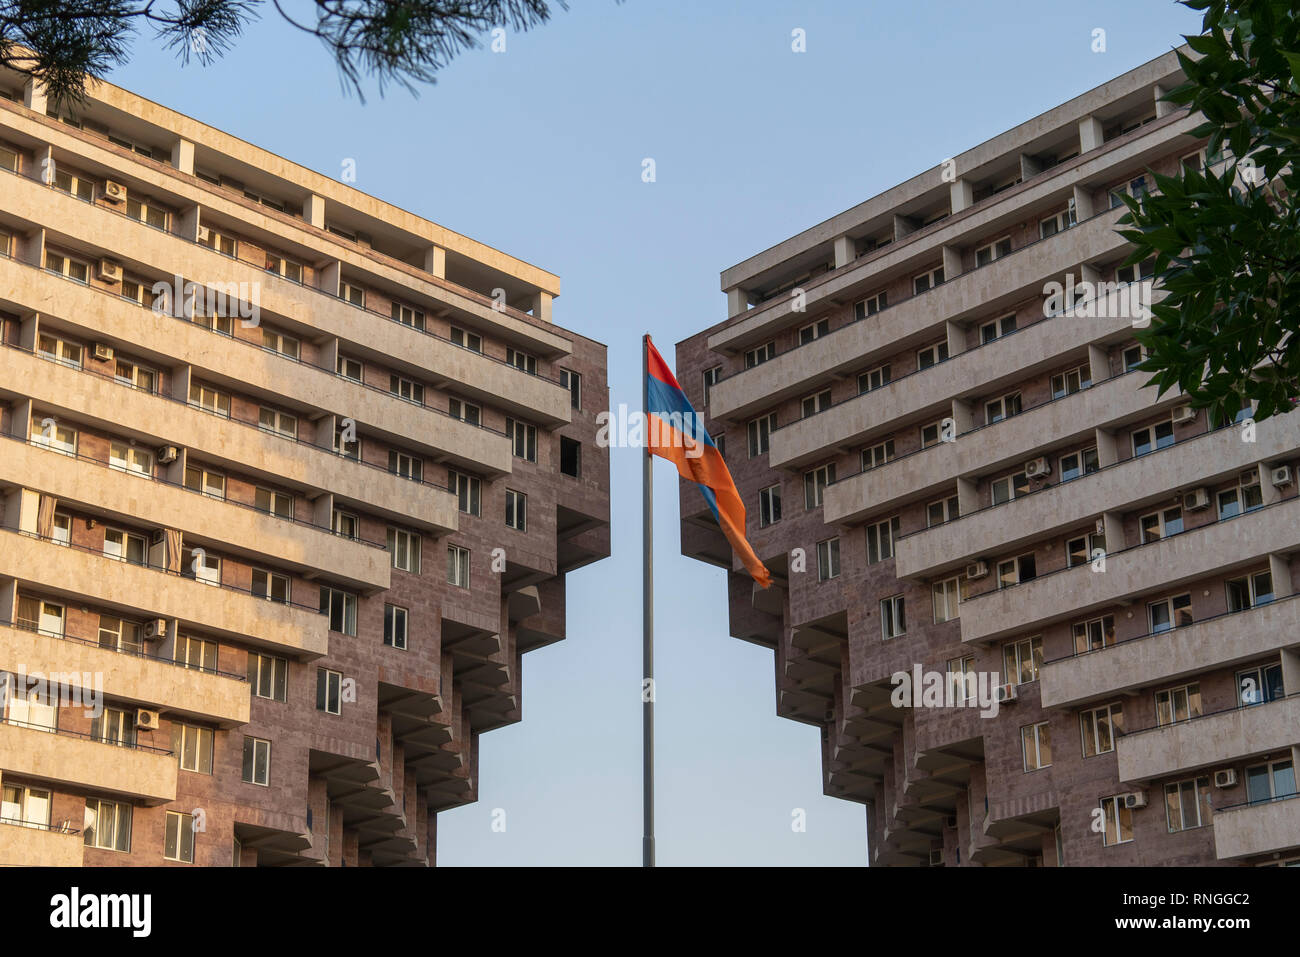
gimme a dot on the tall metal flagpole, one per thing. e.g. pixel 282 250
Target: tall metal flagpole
pixel 647 628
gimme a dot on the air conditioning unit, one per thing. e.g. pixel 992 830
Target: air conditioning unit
pixel 155 629
pixel 1250 476
pixel 1225 779
pixel 1135 799
pixel 204 235
pixel 102 352
pixel 146 720
pixel 158 536
pixel 167 454
pixel 1006 693
pixel 1038 468
pixel 1197 498
pixel 1280 475
pixel 1184 414
pixel 109 271
pixel 114 192
pixel 977 569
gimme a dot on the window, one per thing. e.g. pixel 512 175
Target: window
pixel 279 504
pixel 760 434
pixel 408 316
pixel 1158 436
pixel 1143 270
pixel 35 614
pixel 877 455
pixel 814 485
pixel 764 353
pixel 119 635
pixel 114 726
pixel 1099 726
pixel 1017 570
pixel 1068 383
pixel 1079 551
pixel 1036 745
pixel 8 159
pixel 58 350
pixel 268 676
pixel 348 448
pixel 6 238
pixel 963 679
pixel 281 423
pixel 124 458
pixel 1178 704
pixel 395 626
pixel 927 280
pixel 1077 464
pixel 870 306
pixel 1136 188
pixel 270 586
pixel 26 806
pixel 1133 357
pixel 61 531
pixel 1260 685
pixel 404 549
pixel 1022 659
pixel 57 438
pixel 406 389
pixel 78 186
pixel 570 457
pixel 193 309
pixel 828 559
pixel 1009 487
pixel 997 328
pixel 516 510
pixel 932 355
pixel 108 825
pixel 873 379
pixel 933 433
pixel 1249 591
pixel 209 399
pixel 1170 613
pixel 407 466
pixel 201 567
pixel 947 596
pixel 138 291
pixel 573 382
pixel 1093 635
pixel 465 411
pixel 468 492
pixel 466 340
pixel 73 269
pixel 345 524
pixel 204 482
pixel 349 368
pixel 457 566
pixel 178 842
pixel 994 250
pixel 522 360
pixel 1246 497
pixel 812 404
pixel 944 510
pixel 711 378
pixel 1119 821
pixel 341 608
pixel 523 438
pixel 814 331
pixel 137 377
pixel 1002 408
pixel 124 546
pixel 1161 524
pixel 893 617
pixel 1187 804
pixel 329 691
pixel 880 540
pixel 257 761
pixel 265 200
pixel 1267 782
pixel 292 271
pixel 769 505
pixel 197 653
pixel 1058 223
pixel 193 747
pixel 226 245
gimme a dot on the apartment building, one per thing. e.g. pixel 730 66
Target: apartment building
pixel 952 473
pixel 291 480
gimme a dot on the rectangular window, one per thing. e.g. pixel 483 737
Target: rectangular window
pixel 932 355
pixel 1098 726
pixel 877 455
pixel 818 402
pixel 933 433
pixel 124 547
pixel 341 607
pixel 523 439
pixel 209 399
pixel 58 350
pixel 117 634
pixel 257 761
pixel 1009 487
pixel 1246 497
pixel 764 353
pixel 268 676
pixel 963 679
pixel 135 376
pixel 573 382
pixel 465 411
pixel 329 691
pixel 281 423
pixel 1068 383
pixel 1260 685
pixel 1178 704
pixel 407 466
pixel 197 653
pixel 407 389
pixel 292 271
pixel 1002 408
pixel 1058 223
pixel 349 368
pixel 404 549
pixel 270 586
pixel 1249 591
pixel 76 185
pixel 114 726
pixel 408 316
pixel 769 506
pixel 205 482
pixel 1169 613
pixel 760 434
pixel 814 331
pixel 1022 659
pixel 1151 438
pixel 522 360
pixel 944 510
pixel 516 510
pixel 457 566
pixel 1268 782
pixel 345 524
pixel 814 485
pixel 880 540
pixel 570 457
pixel 200 566
pixel 279 504
pixel 994 250
pixel 395 619
pixel 927 280
pixel 220 242
pixel 1119 821
pixel 469 492
pixel 873 379
pixel 278 342
pixel 947 597
pixel 1017 570
pixel 998 328
pixel 45 617
pixel 1036 744
pixel 125 458
pixel 711 378
pixel 1093 635
pixel 870 306
pixel 348 444
pixel 466 340
pixel 1161 524
pixel 1080 551
pixel 193 747
pixel 1078 464
pixel 56 438
pixel 893 617
pixel 1187 804
pixel 107 825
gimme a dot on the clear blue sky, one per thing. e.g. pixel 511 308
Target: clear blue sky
pixel 538 151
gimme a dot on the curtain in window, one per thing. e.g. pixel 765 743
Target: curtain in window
pixel 173 550
pixel 45 516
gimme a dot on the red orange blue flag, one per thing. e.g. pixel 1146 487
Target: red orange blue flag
pixel 674 432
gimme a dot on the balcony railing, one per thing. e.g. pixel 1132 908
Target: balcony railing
pixel 86 736
pixel 1261 801
pixel 1147 729
pixel 62 827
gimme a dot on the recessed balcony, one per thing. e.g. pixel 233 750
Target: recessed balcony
pixel 137 772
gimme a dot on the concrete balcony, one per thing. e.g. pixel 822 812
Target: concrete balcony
pixel 156 420
pixel 1215 643
pixel 1152 478
pixel 75 573
pixel 1253 829
pixel 1000 365
pixel 931 472
pixel 26 846
pixel 148 776
pixel 233 529
pixel 141 681
pixel 1074 593
pixel 143 249
pixel 1209 741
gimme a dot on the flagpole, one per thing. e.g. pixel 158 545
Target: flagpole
pixel 647 629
